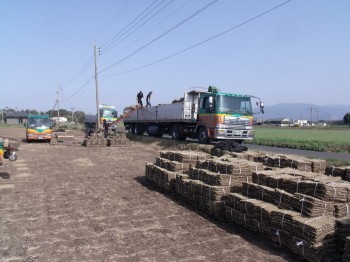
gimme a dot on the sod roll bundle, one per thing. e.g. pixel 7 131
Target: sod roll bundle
pixel 283 219
pixel 240 168
pixel 314 230
pixel 206 197
pixel 234 200
pixel 346 254
pixel 311 206
pixel 311 252
pixel 347 174
pixel 171 165
pixel 218 179
pixel 254 166
pixel 282 199
pixel 342 232
pixel 260 192
pixel 184 156
pixel 341 209
pixel 262 177
pixel 198 190
pixel 319 165
pixel 298 163
pixel 161 177
pixel 335 171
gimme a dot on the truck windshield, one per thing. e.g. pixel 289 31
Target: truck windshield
pixel 39 123
pixel 108 113
pixel 234 105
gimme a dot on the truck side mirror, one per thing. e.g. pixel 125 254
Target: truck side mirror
pixel 262 107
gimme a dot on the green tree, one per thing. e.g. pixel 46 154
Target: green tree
pixel 79 116
pixel 346 119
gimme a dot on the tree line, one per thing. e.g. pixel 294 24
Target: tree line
pixel 72 116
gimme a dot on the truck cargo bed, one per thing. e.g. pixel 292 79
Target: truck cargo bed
pixel 177 112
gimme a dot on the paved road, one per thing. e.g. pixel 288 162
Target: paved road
pixel 307 153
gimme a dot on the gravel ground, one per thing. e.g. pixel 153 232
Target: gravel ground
pixel 71 203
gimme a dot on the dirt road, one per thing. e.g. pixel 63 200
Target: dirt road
pixel 71 203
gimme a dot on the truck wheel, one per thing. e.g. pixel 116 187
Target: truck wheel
pixel 139 130
pixel 132 129
pixel 12 156
pixel 202 136
pixel 176 133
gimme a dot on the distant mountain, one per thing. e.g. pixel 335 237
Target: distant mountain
pixel 299 111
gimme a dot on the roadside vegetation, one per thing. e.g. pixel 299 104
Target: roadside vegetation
pixel 317 139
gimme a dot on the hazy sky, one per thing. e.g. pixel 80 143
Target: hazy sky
pixel 300 52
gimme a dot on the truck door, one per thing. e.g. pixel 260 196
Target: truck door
pixel 206 110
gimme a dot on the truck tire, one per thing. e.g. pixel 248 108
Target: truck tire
pixel 202 136
pixel 132 129
pixel 139 130
pixel 176 133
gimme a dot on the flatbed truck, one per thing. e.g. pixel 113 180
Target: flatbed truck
pixel 203 115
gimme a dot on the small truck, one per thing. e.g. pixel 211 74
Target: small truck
pixel 203 115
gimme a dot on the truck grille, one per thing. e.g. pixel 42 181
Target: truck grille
pixel 230 120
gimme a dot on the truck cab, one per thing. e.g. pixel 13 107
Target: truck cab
pixel 224 116
pixel 108 113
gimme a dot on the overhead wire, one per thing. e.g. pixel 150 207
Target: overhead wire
pixel 123 38
pixel 88 63
pixel 147 32
pixel 106 45
pixel 85 66
pixel 161 35
pixel 114 17
pixel 81 88
pixel 200 43
pixel 168 31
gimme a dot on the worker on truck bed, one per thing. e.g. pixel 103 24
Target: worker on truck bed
pixel 148 98
pixel 139 98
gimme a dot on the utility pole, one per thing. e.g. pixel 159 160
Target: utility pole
pixel 311 113
pixel 97 92
pixel 72 113
pixel 58 107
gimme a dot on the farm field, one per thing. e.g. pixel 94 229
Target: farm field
pixel 326 140
pixel 72 203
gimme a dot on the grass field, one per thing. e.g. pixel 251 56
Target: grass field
pixel 318 139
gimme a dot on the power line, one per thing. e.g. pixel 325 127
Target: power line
pixel 120 40
pixel 105 45
pixel 202 42
pixel 146 33
pixel 162 35
pixel 81 88
pixel 89 63
pixel 114 17
pixel 85 66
